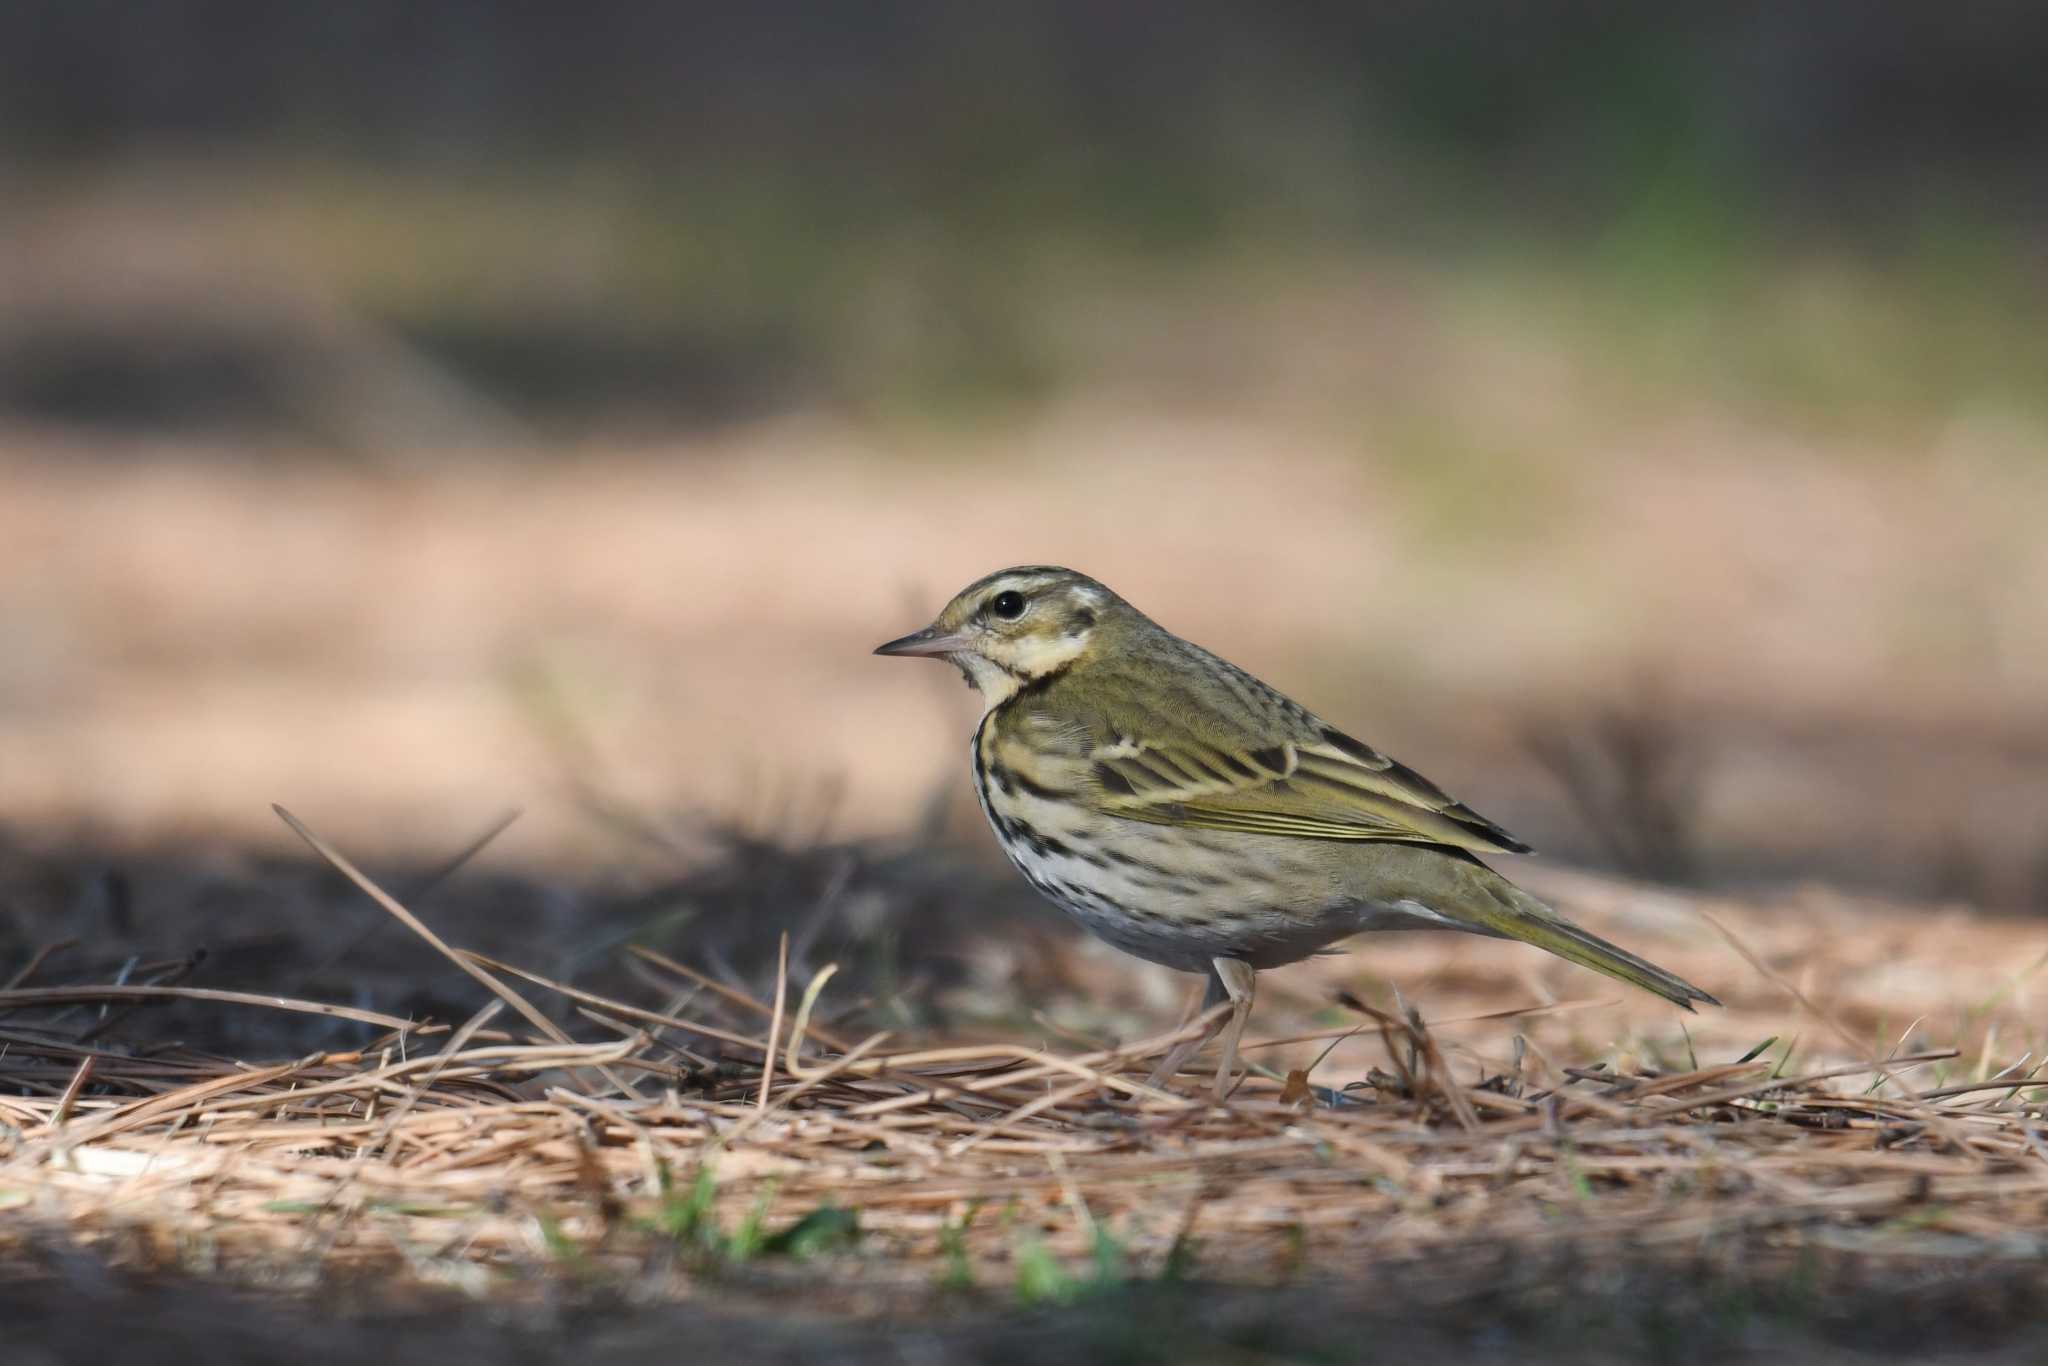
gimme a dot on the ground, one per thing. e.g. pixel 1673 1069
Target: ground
pixel 1546 1168
pixel 1766 698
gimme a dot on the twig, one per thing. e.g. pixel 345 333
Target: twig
pixel 774 1021
pixel 41 956
pixel 419 927
pixel 15 998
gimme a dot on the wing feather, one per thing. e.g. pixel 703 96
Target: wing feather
pixel 1326 787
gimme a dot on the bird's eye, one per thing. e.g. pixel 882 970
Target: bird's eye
pixel 1008 604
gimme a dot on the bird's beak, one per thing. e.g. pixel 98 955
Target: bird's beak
pixel 922 643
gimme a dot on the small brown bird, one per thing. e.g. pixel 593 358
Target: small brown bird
pixel 1192 816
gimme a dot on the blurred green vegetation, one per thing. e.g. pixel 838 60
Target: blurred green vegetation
pixel 1825 219
pixel 581 292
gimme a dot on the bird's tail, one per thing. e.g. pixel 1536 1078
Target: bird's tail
pixel 1513 914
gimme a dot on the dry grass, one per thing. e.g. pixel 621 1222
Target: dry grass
pixel 716 1130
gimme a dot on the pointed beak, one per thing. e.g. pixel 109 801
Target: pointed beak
pixel 927 642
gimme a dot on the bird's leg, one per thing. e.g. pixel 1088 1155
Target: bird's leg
pixel 1235 975
pixel 1215 995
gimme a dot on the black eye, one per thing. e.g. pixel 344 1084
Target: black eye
pixel 1008 604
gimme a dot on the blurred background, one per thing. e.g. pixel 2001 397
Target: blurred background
pixel 1632 416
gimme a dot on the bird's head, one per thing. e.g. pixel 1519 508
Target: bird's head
pixel 1017 626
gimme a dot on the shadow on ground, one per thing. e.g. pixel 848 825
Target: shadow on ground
pixel 70 1309
pixel 907 927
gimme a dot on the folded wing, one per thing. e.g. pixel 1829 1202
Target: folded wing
pixel 1318 783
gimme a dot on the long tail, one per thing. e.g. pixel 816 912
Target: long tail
pixel 1513 914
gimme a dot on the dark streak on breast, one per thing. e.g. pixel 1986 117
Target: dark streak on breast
pixel 1010 777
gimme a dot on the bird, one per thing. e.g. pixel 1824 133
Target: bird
pixel 1195 817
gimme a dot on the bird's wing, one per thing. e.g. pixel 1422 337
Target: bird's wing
pixel 1290 775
